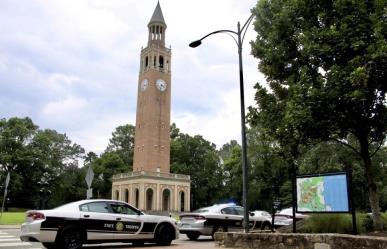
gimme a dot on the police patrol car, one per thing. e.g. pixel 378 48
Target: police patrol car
pixel 218 218
pixel 96 221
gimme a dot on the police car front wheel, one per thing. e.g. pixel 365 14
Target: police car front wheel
pixel 193 235
pixel 164 235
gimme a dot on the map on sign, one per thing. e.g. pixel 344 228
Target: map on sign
pixel 326 193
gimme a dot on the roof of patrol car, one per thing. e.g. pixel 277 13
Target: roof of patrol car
pixel 214 208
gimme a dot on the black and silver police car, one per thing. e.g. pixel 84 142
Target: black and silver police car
pixel 96 221
pixel 218 218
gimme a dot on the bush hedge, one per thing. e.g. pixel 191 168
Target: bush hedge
pixel 339 223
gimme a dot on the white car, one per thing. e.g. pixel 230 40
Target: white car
pixel 262 213
pixel 285 217
pixel 218 218
pixel 96 221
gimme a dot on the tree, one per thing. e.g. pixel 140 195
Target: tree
pixel 326 65
pixel 268 170
pixel 57 160
pixel 198 158
pixel 35 158
pixel 233 174
pixel 104 167
pixel 226 151
pixel 122 142
pixel 15 135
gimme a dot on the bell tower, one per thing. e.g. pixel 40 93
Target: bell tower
pixel 152 140
pixel 151 186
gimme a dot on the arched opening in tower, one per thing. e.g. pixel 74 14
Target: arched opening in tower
pixel 182 201
pixel 149 198
pixel 166 199
pixel 137 197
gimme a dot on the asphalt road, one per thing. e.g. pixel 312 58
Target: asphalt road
pixel 9 239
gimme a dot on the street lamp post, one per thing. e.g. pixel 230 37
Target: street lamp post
pixel 240 35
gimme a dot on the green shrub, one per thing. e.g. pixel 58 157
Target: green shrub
pixel 368 223
pixel 333 223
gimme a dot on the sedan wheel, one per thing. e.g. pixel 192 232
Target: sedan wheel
pixel 217 229
pixel 71 238
pixel 193 235
pixel 164 235
pixel 266 226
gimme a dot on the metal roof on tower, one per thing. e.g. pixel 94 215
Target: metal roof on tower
pixel 157 16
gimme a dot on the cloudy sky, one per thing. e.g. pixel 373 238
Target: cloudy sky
pixel 72 65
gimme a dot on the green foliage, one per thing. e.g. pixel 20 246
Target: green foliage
pixel 198 158
pixel 338 223
pixel 31 155
pixel 104 167
pixel 328 223
pixel 325 64
pixel 122 143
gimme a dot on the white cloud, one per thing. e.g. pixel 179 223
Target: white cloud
pixel 73 65
pixel 65 107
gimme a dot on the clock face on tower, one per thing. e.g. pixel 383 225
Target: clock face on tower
pixel 161 85
pixel 144 85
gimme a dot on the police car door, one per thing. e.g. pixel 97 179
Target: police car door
pixel 98 221
pixel 128 221
pixel 240 212
pixel 233 220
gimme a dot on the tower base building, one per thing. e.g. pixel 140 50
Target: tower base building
pixel 152 191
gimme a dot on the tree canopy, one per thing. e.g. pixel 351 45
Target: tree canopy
pixel 325 63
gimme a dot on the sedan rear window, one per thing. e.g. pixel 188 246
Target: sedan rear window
pixel 98 207
pixel 201 211
pixel 118 208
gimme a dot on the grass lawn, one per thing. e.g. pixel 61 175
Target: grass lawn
pixel 12 218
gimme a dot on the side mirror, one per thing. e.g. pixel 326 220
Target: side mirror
pixel 252 214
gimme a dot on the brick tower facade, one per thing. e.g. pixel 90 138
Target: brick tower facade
pixel 152 139
pixel 151 186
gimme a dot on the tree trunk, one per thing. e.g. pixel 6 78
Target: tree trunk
pixel 372 188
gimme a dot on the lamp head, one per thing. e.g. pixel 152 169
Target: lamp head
pixel 195 44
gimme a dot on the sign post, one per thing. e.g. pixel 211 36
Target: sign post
pixel 276 206
pixel 89 179
pixel 351 202
pixel 5 193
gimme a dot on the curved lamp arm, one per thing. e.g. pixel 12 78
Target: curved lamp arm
pixel 197 43
pixel 247 23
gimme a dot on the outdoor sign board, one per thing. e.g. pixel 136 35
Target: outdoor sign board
pixel 323 193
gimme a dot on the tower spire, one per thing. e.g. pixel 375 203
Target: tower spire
pixel 157 27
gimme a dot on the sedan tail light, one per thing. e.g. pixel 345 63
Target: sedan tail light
pixel 34 215
pixel 199 218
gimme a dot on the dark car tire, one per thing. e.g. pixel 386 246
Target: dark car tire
pixel 70 238
pixel 138 243
pixel 164 235
pixel 266 226
pixel 48 245
pixel 218 229
pixel 193 235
